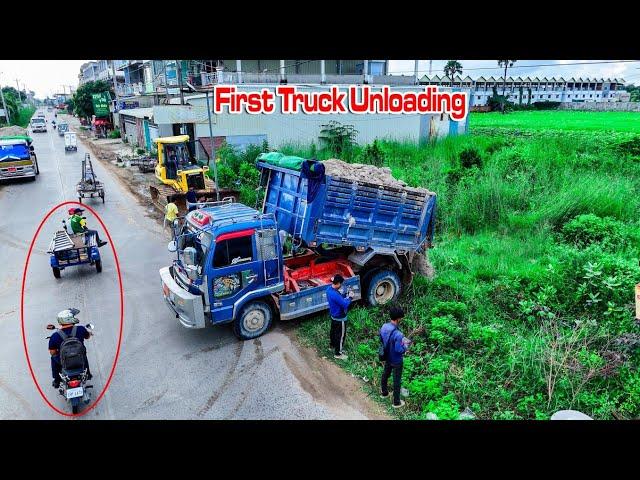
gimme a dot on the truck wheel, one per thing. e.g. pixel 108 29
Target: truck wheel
pixel 56 272
pixel 98 266
pixel 383 287
pixel 253 321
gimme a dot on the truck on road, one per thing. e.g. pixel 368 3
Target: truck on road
pixel 38 124
pixel 237 264
pixel 17 158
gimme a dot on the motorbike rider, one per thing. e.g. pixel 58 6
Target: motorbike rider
pixel 67 319
pixel 79 225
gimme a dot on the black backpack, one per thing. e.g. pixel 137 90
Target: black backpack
pixel 72 351
pixel 383 350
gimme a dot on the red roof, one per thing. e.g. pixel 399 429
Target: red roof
pixel 101 121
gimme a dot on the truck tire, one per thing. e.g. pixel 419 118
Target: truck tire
pixel 98 266
pixel 254 320
pixel 383 287
pixel 56 272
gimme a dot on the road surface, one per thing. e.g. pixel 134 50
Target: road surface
pixel 164 370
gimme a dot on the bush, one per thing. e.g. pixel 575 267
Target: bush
pixel 372 155
pixel 114 134
pixel 470 157
pixel 585 230
pixel 546 105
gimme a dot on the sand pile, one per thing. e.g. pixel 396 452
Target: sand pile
pixel 12 130
pixel 365 173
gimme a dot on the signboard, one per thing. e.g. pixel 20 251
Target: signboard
pixel 2 114
pixel 101 103
pixel 125 104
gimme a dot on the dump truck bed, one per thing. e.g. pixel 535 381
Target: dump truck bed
pixel 341 211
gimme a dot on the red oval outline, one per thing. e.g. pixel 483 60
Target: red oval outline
pixel 24 339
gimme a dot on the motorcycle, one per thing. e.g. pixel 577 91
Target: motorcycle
pixel 54 124
pixel 73 384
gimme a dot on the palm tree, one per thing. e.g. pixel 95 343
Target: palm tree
pixel 506 64
pixel 452 68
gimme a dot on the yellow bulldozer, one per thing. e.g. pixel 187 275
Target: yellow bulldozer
pixel 178 170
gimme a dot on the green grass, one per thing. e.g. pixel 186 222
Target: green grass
pixel 536 258
pixel 559 120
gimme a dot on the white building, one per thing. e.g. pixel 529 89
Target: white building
pixel 141 125
pixel 525 90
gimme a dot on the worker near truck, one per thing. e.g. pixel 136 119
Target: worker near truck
pixel 79 225
pixel 192 199
pixel 395 346
pixel 338 306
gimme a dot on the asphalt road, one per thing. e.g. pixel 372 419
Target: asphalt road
pixel 164 370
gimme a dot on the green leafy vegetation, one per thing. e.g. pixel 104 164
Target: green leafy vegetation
pixel 18 114
pixel 536 258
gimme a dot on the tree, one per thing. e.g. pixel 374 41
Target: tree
pixel 82 100
pixel 452 68
pixel 506 64
pixel 13 104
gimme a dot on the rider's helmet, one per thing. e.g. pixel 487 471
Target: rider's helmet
pixel 68 316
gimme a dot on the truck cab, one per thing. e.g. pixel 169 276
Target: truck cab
pixel 17 158
pixel 227 266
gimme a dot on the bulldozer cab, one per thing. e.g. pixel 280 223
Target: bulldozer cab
pixel 174 153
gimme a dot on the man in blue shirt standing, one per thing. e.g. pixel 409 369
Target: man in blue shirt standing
pixel 338 305
pixel 395 346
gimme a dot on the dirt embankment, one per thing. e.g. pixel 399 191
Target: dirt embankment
pixel 108 150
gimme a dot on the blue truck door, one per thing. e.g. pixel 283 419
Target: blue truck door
pixel 234 270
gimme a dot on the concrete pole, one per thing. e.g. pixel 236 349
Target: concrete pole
pixel 365 70
pixel 282 71
pixel 6 110
pixel 19 96
pixel 323 76
pixel 430 65
pixel 239 70
pixel 415 71
pixel 215 166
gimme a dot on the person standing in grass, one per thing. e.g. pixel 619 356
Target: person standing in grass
pixel 338 305
pixel 395 346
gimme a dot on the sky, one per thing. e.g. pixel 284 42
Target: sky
pixel 47 77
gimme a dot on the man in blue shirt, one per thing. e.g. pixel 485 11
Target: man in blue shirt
pixel 67 320
pixel 338 305
pixel 395 346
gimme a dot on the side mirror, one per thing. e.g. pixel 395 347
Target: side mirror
pixel 51 327
pixel 89 326
pixel 31 149
pixel 172 246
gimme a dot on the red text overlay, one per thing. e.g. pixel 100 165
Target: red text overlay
pixel 354 99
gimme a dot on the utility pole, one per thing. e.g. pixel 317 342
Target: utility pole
pixel 430 65
pixel 6 110
pixel 179 73
pixel 215 166
pixel 19 95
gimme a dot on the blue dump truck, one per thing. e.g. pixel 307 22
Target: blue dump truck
pixel 237 264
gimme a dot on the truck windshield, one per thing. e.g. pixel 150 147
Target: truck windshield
pixel 199 240
pixel 37 120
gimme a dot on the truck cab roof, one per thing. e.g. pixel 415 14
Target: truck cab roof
pixel 228 218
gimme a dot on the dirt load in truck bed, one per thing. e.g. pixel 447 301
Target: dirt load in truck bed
pixel 366 173
pixel 12 130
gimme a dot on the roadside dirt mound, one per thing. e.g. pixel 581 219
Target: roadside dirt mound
pixel 360 172
pixel 423 266
pixel 12 130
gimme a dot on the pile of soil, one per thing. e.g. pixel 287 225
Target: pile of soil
pixel 360 172
pixel 12 130
pixel 423 266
